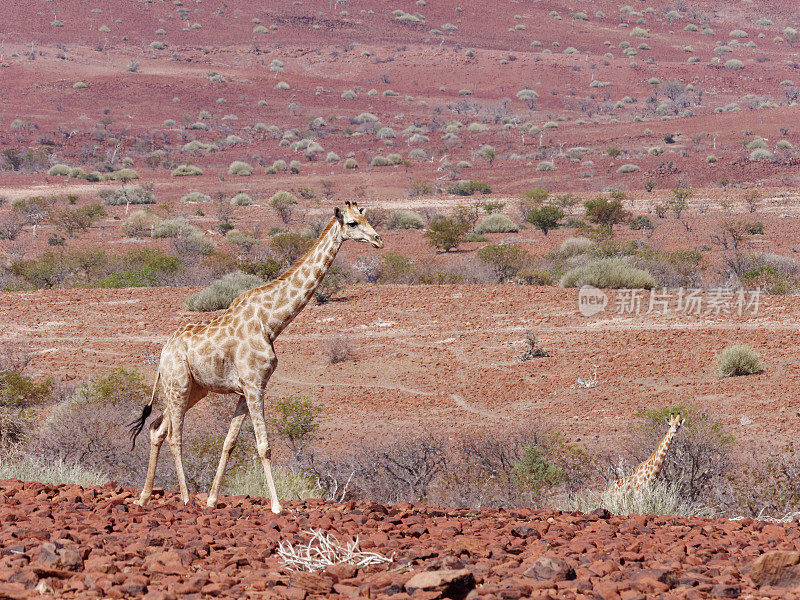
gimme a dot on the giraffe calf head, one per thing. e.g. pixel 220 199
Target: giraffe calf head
pixel 675 421
pixel 355 226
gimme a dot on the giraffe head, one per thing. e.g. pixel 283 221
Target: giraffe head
pixel 675 421
pixel 355 226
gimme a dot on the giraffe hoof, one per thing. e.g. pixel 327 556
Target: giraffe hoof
pixel 276 509
pixel 211 503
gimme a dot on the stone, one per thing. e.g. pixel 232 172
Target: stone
pixel 550 569
pixel 313 583
pixel 780 568
pixel 342 571
pixel 452 583
pixel 12 591
pixel 726 590
pixel 71 559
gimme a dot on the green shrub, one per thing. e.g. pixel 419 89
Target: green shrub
pixel 50 472
pixel 465 187
pixel 290 484
pixel 241 199
pixel 122 174
pixel 546 165
pixel 404 219
pixel 661 497
pixel 760 154
pixel 350 163
pixel 283 203
pixel 239 167
pixel 198 146
pixel 174 228
pixel 505 260
pixel 609 273
pixel 629 168
pixel 496 223
pixel 222 292
pixel 734 64
pixel 605 211
pixel 140 223
pixel 738 359
pixel 545 218
pixel 379 161
pixel 18 390
pixel 196 197
pixel 141 268
pixel 187 170
pixel 446 234
pixel 60 170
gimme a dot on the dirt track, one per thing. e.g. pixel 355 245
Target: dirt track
pixel 94 542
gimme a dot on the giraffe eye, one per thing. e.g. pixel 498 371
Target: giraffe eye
pixel 352 223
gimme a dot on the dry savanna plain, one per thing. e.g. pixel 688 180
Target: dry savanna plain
pixel 590 221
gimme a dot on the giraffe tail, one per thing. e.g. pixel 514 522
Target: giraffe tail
pixel 137 425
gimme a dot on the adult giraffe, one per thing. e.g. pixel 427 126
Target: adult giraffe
pixel 233 354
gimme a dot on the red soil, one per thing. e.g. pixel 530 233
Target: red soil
pixel 93 542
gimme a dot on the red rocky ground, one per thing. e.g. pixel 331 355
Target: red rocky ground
pixel 93 542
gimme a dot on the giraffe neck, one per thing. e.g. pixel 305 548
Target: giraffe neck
pixel 281 303
pixel 650 468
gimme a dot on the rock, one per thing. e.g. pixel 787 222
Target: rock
pixel 48 555
pixel 726 590
pixel 666 576
pixel 601 513
pixel 313 583
pixel 71 559
pixel 342 571
pixel 454 584
pixel 166 563
pixel 523 531
pixel 550 569
pixel 779 568
pixel 12 591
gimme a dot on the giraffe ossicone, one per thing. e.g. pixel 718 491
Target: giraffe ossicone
pixel 646 472
pixel 233 354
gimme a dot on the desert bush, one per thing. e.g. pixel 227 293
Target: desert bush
pixel 196 197
pixel 139 224
pixel 734 64
pixel 127 195
pixel 397 268
pixel 239 167
pixel 404 219
pixel 609 273
pixel 198 146
pixel 51 472
pixel 60 170
pixel 772 273
pixel 465 187
pixel 738 359
pixel 10 226
pixel 760 154
pixel 140 268
pixel 174 227
pixel 661 497
pixel 337 348
pixel 629 168
pixel 641 222
pixel 222 292
pixel 242 240
pixel 189 244
pixel 496 223
pixel 80 219
pixel 545 218
pixel 283 203
pixel 290 484
pixel 241 198
pixel 334 282
pixel 187 170
pixel 446 234
pixel 679 268
pixel 290 246
pixel 379 161
pixel 350 163
pixel 546 165
pixel 571 247
pixel 295 419
pixel 605 211
pixel 505 260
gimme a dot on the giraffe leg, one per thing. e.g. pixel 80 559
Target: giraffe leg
pixel 158 433
pixel 227 447
pixel 255 404
pixel 176 445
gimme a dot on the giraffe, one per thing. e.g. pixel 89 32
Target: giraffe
pixel 646 472
pixel 233 353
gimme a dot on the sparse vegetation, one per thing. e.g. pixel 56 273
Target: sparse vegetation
pixel 738 359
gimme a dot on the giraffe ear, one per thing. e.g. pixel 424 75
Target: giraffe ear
pixel 683 421
pixel 338 214
pixel 363 211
